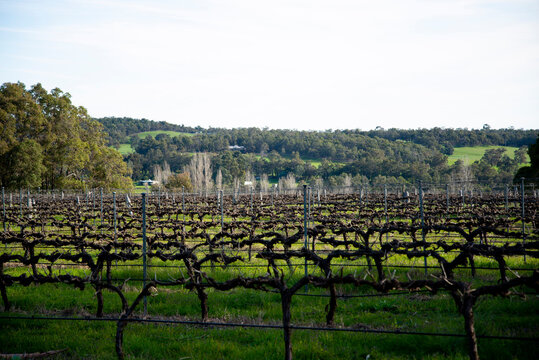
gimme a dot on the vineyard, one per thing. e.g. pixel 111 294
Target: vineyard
pixel 340 247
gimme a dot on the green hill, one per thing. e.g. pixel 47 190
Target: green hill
pixel 126 149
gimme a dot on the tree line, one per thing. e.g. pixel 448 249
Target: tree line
pixel 119 129
pixel 332 144
pixel 47 142
pixel 343 157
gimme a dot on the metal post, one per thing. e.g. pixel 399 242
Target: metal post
pixel 114 218
pixel 523 213
pixel 385 209
pixel 251 200
pixel 422 222
pixel 183 212
pixel 144 269
pixel 101 216
pixel 93 205
pixel 28 199
pixel 309 207
pixel 447 196
pixel 505 193
pixel 222 216
pixel 20 201
pixel 4 208
pixel 385 201
pixel 306 234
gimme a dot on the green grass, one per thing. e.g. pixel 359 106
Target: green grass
pixel 125 149
pixel 420 312
pixel 471 154
pixel 143 135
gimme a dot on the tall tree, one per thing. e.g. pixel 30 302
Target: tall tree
pixel 21 119
pixel 47 141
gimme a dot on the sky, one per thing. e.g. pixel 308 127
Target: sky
pixel 283 64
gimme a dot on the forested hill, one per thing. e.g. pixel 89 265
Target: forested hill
pixel 320 144
pixel 119 129
pixel 331 156
pixel 447 138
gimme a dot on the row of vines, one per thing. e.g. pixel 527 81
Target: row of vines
pixel 438 239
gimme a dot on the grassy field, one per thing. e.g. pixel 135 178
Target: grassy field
pixel 419 312
pixel 126 149
pixel 471 154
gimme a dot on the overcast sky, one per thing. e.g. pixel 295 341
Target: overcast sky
pixel 311 64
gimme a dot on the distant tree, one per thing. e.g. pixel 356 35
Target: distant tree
pixel 200 172
pixel 162 174
pixel 264 183
pixel 179 181
pixel 520 154
pixel 108 170
pixel 461 175
pixel 219 179
pixel 287 183
pixel 250 178
pixel 493 157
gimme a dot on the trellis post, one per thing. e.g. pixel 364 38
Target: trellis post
pixel 222 213
pixel 523 214
pixel 422 222
pixel 101 210
pixel 114 221
pixel 252 200
pixel 3 208
pixel 505 193
pixel 385 210
pixel 144 269
pixel 305 231
pixel 447 196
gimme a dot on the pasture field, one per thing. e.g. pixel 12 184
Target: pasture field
pixel 470 154
pixel 126 149
pixel 368 295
